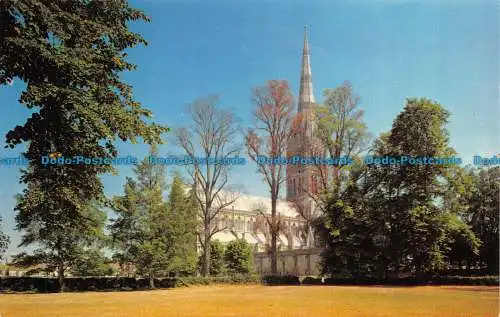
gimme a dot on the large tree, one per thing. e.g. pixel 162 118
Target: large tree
pixel 211 137
pixel 275 126
pixel 395 217
pixel 70 55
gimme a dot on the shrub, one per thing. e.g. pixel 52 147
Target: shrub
pixel 217 266
pixel 238 257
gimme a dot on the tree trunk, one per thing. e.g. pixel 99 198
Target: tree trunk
pixel 274 236
pixel 205 270
pixel 397 266
pixel 151 280
pixel 382 269
pixel 418 269
pixel 274 254
pixel 60 273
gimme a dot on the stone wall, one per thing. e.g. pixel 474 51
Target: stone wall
pixel 299 262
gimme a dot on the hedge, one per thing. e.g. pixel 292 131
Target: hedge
pixel 233 279
pixel 465 280
pixel 76 284
pixel 411 281
pixel 467 272
pixel 281 280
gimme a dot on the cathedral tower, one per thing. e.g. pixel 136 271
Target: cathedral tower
pixel 303 180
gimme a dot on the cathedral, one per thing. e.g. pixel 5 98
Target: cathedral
pixel 244 219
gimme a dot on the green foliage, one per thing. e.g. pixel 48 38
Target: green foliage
pixel 238 257
pixel 75 284
pixel 93 263
pixel 412 281
pixel 236 279
pixel 141 231
pixel 483 215
pixel 62 247
pixel 43 285
pixel 397 218
pixel 71 58
pixel 341 130
pixel 465 244
pixel 217 264
pixel 182 221
pixel 158 238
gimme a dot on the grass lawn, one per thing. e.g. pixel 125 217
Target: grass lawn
pixel 252 301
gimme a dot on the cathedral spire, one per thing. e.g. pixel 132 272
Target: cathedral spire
pixel 306 95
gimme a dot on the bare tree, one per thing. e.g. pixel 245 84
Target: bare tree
pixel 212 134
pixel 275 126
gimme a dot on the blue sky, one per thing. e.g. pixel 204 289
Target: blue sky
pixel 389 50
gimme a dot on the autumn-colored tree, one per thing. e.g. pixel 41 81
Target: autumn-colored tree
pixel 275 125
